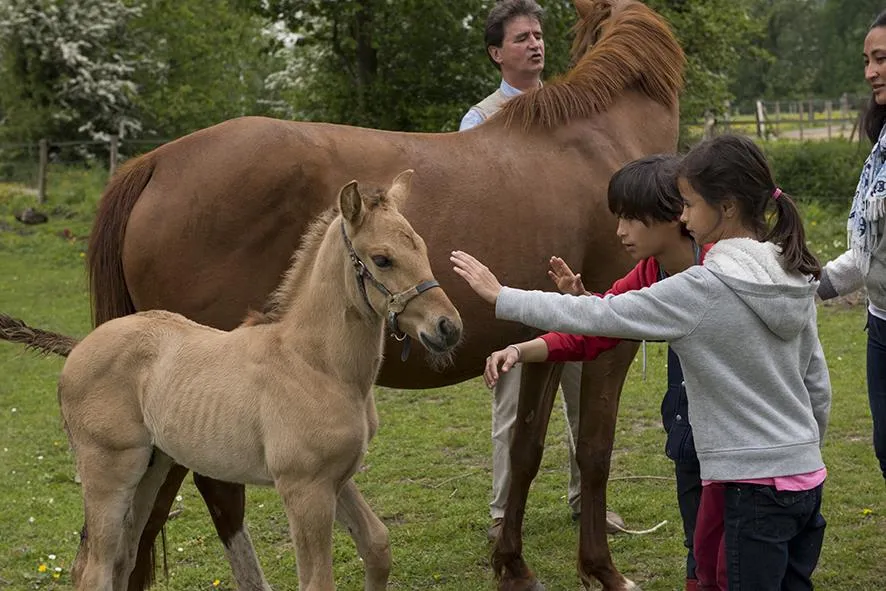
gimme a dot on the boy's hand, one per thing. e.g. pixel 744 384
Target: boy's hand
pixel 566 281
pixel 500 362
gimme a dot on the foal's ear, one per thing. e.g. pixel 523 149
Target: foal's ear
pixel 400 188
pixel 351 203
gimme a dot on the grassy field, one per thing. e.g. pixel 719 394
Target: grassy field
pixel 427 474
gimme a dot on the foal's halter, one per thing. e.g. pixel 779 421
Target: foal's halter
pixel 396 302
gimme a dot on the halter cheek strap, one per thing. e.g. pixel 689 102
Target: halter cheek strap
pixel 396 303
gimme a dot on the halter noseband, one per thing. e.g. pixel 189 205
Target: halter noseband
pixel 396 302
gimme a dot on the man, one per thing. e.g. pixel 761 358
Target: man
pixel 515 45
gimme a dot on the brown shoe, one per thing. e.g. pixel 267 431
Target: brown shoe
pixel 494 529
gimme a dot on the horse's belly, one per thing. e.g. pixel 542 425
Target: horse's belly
pixel 237 460
pixel 218 440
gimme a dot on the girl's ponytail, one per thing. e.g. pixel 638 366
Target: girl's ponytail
pixel 789 234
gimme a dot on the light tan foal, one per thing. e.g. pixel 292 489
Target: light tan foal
pixel 287 403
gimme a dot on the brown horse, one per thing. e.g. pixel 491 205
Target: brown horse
pixel 204 226
pixel 286 403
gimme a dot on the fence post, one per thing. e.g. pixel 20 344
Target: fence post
pixel 761 121
pixel 828 109
pixel 777 117
pixel 41 170
pixel 112 165
pixel 800 118
pixel 708 126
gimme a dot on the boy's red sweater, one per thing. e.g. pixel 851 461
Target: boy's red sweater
pixel 572 347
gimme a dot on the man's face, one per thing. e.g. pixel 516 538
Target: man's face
pixel 523 49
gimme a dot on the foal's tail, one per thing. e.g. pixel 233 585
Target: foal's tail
pixel 42 341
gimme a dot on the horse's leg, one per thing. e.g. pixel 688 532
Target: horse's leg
pixel 226 502
pixel 601 383
pixel 142 575
pixel 537 390
pixel 310 508
pixel 142 504
pixel 110 478
pixel 369 534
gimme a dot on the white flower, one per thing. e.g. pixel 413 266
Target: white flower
pixel 52 557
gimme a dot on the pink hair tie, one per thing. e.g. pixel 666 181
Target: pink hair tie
pixel 776 193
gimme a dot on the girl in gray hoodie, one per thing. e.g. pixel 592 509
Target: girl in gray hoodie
pixel 744 326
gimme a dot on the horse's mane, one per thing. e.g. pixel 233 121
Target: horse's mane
pixel 620 44
pixel 302 260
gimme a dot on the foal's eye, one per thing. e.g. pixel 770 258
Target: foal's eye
pixel 381 261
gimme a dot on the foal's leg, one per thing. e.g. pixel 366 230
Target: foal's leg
pixel 368 532
pixel 537 390
pixel 226 502
pixel 142 575
pixel 310 508
pixel 142 504
pixel 110 478
pixel 601 385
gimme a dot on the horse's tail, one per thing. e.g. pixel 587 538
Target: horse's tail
pixel 43 341
pixel 104 258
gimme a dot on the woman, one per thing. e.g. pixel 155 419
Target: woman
pixel 864 264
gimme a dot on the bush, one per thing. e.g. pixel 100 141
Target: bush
pixel 823 171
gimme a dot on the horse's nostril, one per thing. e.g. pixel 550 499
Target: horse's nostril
pixel 448 330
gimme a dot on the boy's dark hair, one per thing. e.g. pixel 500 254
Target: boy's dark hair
pixel 501 13
pixel 646 189
pixel 874 115
pixel 734 167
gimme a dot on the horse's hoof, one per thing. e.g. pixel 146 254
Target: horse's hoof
pixel 628 585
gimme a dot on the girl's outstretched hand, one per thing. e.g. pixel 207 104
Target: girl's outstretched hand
pixel 566 281
pixel 476 274
pixel 500 362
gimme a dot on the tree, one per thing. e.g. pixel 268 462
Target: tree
pixel 210 60
pixel 407 65
pixel 65 70
pixel 716 35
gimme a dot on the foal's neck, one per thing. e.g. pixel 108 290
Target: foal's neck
pixel 328 322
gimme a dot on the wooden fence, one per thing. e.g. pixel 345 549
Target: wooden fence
pixel 46 149
pixel 808 119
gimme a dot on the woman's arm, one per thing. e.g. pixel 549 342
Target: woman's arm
pixel 840 276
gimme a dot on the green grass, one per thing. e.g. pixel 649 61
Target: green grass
pixel 427 474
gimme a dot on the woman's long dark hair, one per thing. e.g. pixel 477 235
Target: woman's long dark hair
pixel 733 167
pixel 874 115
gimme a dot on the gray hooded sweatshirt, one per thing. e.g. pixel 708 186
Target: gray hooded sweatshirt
pixel 745 330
